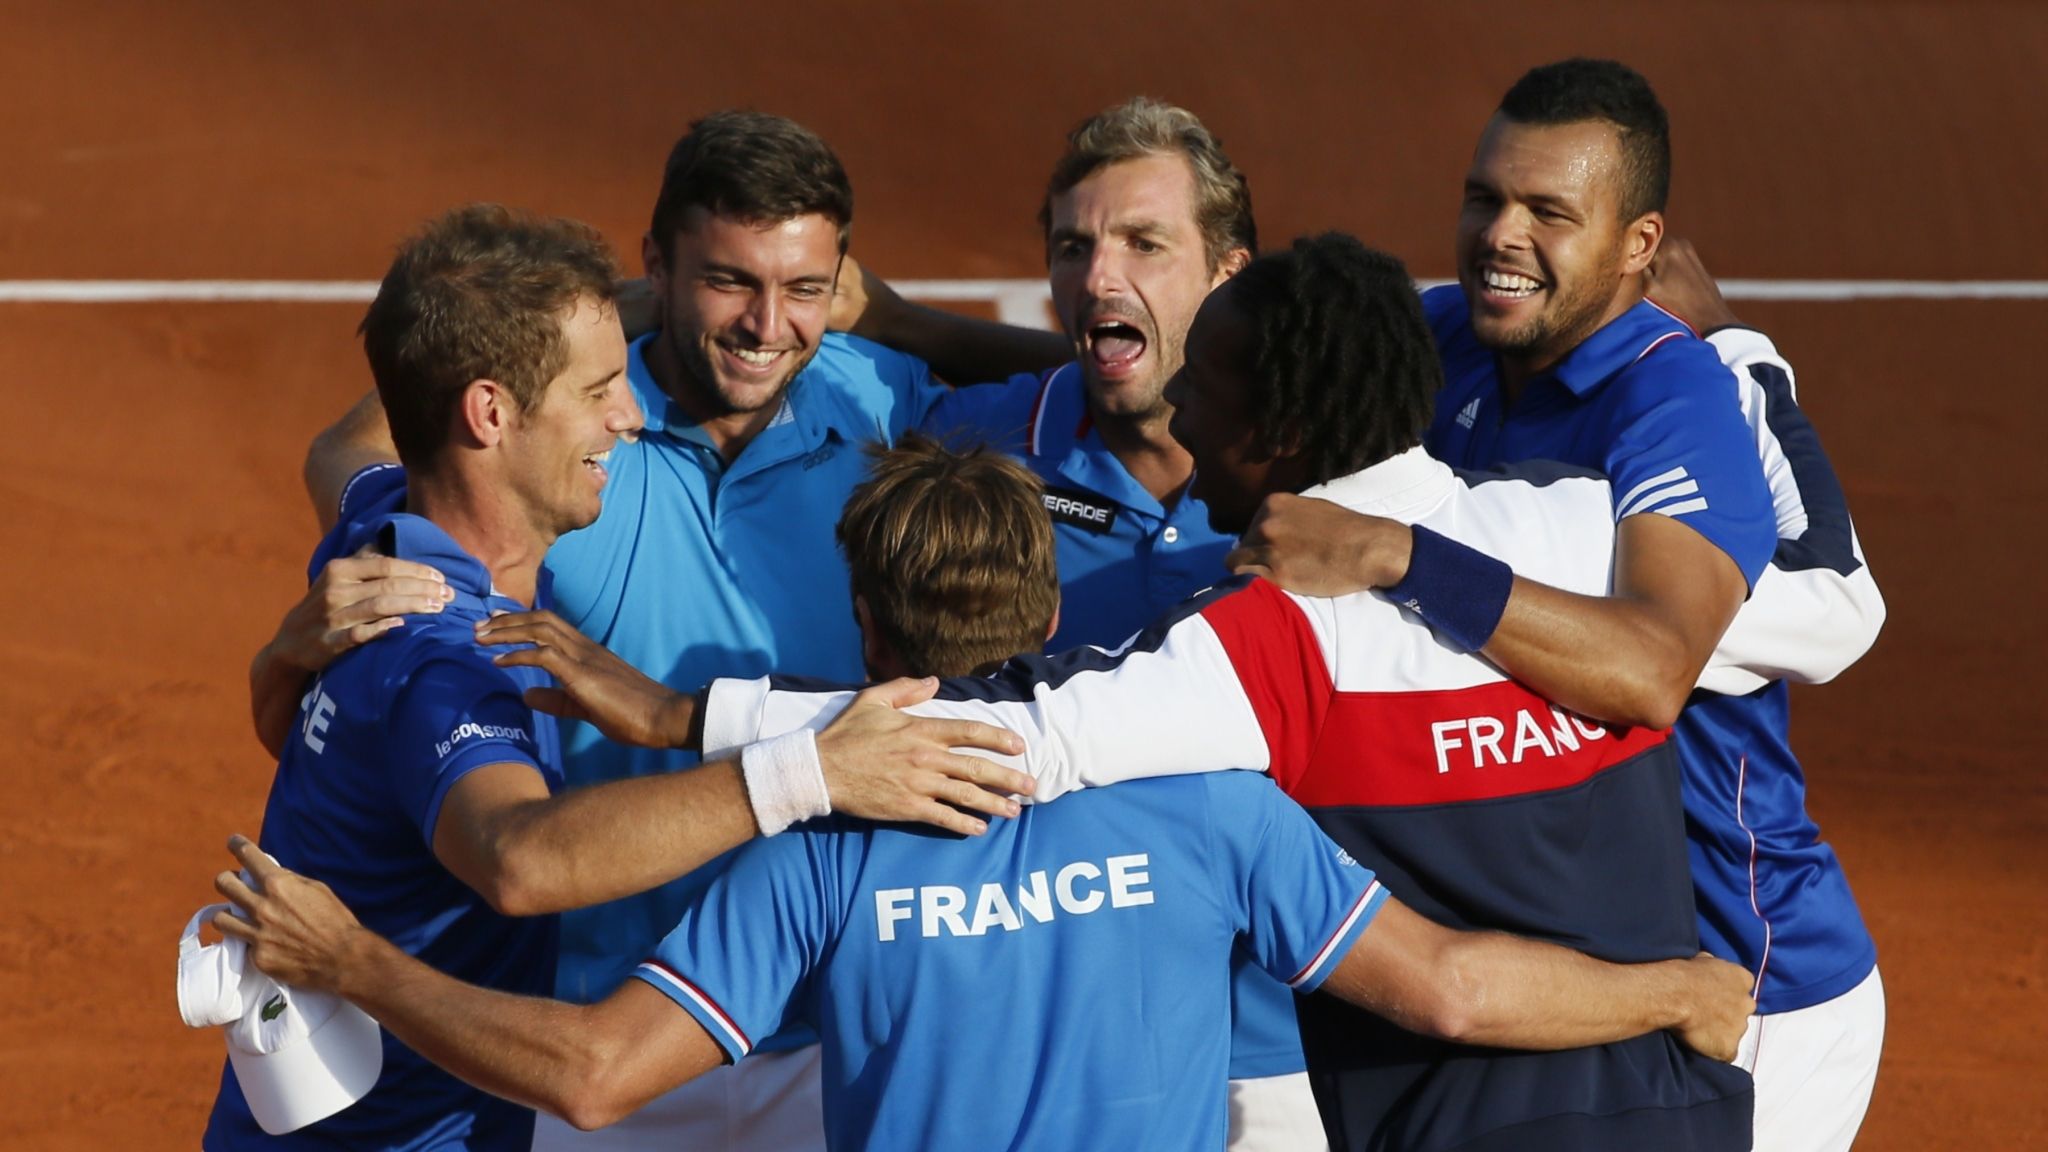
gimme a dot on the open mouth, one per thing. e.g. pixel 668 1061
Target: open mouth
pixel 1114 345
pixel 595 462
pixel 1509 285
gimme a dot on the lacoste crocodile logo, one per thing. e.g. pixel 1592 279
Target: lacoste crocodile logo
pixel 274 1009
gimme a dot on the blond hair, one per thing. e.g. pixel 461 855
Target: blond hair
pixel 1142 126
pixel 953 553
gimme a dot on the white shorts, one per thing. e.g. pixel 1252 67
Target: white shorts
pixel 1275 1114
pixel 1814 1070
pixel 767 1100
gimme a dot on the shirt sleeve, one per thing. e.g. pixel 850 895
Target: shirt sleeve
pixel 1300 899
pixel 741 958
pixel 451 718
pixel 1237 677
pixel 998 414
pixel 1682 450
pixel 1816 610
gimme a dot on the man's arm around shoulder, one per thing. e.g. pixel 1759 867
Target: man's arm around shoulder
pixel 361 437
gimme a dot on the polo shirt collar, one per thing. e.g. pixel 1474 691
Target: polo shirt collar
pixel 409 537
pixel 1400 487
pixel 1623 341
pixel 1063 431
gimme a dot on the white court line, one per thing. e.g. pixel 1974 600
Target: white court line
pixel 1017 301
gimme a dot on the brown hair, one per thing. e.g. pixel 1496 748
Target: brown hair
pixel 953 552
pixel 1142 126
pixel 478 294
pixel 752 167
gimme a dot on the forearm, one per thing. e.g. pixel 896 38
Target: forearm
pixel 591 845
pixel 1605 657
pixel 274 686
pixel 362 437
pixel 964 349
pixel 1511 992
pixel 539 1053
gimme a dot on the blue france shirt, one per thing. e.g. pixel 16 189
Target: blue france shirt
pixel 1059 982
pixel 382 736
pixel 1642 401
pixel 1124 558
pixel 1124 561
pixel 697 569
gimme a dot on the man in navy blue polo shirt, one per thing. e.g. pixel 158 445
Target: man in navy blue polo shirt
pixel 1552 351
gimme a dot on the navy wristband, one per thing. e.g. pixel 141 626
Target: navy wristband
pixel 1461 592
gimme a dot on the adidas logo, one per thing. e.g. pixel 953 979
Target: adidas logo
pixel 1469 414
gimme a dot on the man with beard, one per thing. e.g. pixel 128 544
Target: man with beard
pixel 714 549
pixel 1552 351
pixel 1143 216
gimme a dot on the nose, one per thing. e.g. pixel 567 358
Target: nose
pixel 763 317
pixel 624 416
pixel 1507 230
pixel 1105 272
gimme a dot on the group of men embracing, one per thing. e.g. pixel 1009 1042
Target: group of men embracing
pixel 1322 715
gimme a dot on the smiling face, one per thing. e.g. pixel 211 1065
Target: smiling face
pixel 743 309
pixel 1544 256
pixel 1128 269
pixel 555 456
pixel 1210 395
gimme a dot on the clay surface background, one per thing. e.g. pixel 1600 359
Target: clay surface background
pixel 155 528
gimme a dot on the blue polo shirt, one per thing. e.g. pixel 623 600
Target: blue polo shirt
pixel 1060 982
pixel 1645 401
pixel 1124 557
pixel 382 736
pixel 1124 561
pixel 1642 401
pixel 696 569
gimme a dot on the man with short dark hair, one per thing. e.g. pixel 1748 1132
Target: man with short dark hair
pixel 1106 921
pixel 1552 351
pixel 417 781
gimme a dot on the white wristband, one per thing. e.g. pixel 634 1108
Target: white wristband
pixel 785 780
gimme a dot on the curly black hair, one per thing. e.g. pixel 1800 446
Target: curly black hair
pixel 1577 90
pixel 1344 366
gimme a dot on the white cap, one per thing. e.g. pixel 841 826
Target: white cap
pixel 299 1055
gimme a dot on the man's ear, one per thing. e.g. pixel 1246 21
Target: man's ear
pixel 487 410
pixel 1232 263
pixel 652 263
pixel 871 646
pixel 1641 241
pixel 1054 627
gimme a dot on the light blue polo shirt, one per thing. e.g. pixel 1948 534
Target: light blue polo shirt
pixel 1060 982
pixel 697 569
pixel 1124 557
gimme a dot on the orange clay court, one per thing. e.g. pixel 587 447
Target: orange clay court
pixel 155 528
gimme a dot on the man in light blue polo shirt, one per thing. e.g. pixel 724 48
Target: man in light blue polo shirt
pixel 714 550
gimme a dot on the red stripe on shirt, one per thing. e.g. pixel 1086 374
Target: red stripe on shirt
pixel 1280 666
pixel 710 1005
pixel 1392 749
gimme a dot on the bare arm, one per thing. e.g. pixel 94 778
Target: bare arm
pixel 960 349
pixel 361 437
pixel 589 1064
pixel 1506 991
pixel 1627 658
